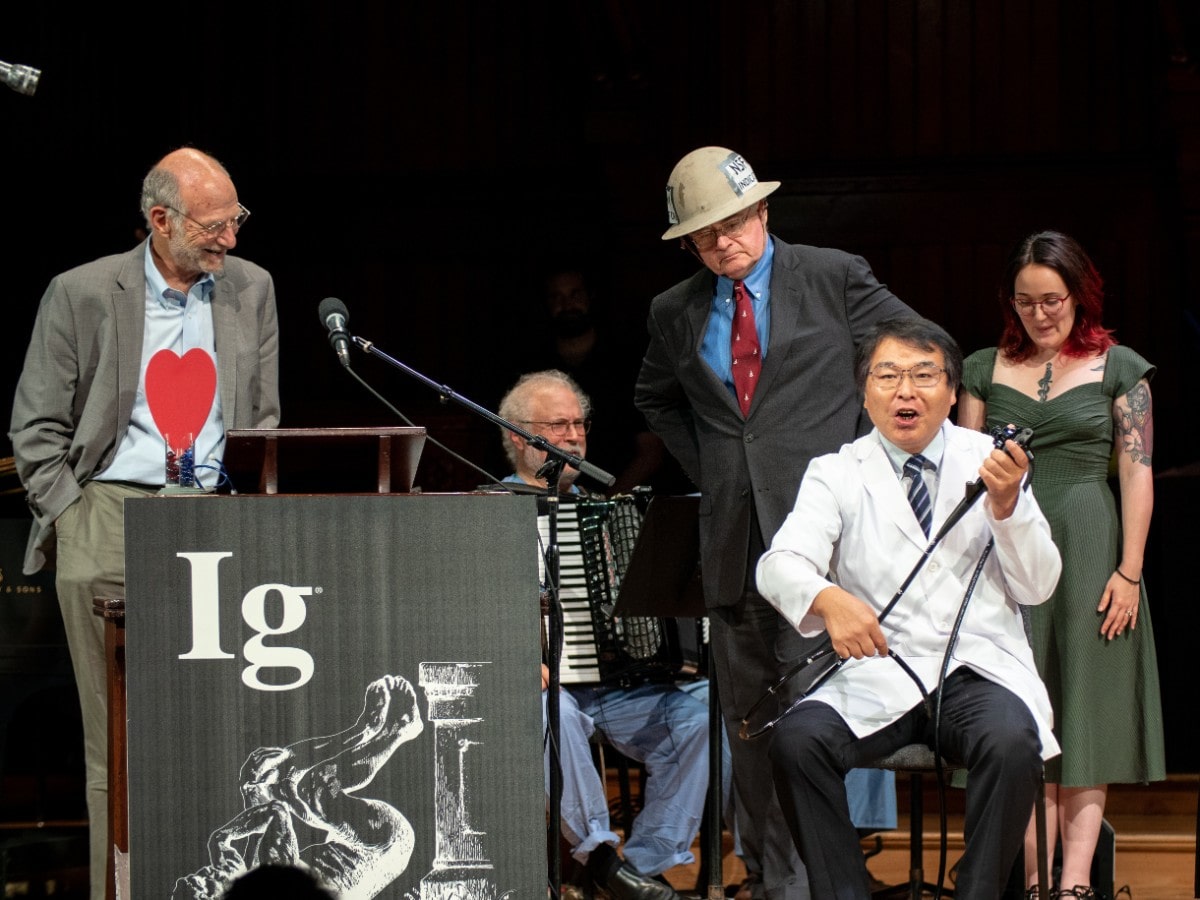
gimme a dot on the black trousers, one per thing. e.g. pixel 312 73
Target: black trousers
pixel 984 726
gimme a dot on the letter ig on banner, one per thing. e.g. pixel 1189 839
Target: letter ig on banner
pixel 206 624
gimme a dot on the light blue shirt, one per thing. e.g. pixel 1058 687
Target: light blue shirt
pixel 514 478
pixel 714 349
pixel 933 455
pixel 178 322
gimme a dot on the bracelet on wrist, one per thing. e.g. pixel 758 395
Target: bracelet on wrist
pixel 1127 578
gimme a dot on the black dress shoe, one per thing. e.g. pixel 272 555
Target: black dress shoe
pixel 626 883
pixel 621 881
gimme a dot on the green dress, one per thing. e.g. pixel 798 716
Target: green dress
pixel 1107 711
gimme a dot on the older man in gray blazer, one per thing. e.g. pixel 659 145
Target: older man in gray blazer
pixel 749 374
pixel 86 431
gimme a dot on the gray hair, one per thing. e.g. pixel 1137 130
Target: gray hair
pixel 515 405
pixel 161 188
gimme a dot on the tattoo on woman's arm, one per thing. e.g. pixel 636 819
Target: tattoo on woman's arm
pixel 1134 424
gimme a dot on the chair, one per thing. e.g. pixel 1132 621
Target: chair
pixel 917 760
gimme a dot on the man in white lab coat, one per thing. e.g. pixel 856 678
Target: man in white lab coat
pixel 862 519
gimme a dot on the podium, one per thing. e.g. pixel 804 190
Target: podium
pixel 323 460
pixel 334 679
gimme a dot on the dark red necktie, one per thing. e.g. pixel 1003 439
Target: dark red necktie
pixel 747 358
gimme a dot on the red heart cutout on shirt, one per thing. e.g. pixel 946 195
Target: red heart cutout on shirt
pixel 180 392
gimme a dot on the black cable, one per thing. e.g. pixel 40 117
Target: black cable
pixel 558 457
pixel 939 769
pixel 832 663
pixel 824 654
pixel 407 421
pixel 554 609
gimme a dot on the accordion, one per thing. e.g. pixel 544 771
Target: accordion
pixel 596 542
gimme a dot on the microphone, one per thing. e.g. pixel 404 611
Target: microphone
pixel 22 79
pixel 334 316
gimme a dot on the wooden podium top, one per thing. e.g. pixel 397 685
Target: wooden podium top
pixel 323 460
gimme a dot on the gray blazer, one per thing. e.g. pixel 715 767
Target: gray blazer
pixel 76 392
pixel 806 403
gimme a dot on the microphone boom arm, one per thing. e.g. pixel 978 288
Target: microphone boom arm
pixel 447 393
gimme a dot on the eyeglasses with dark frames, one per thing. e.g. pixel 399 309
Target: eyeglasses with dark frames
pixel 1050 305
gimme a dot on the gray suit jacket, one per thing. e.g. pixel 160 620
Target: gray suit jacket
pixel 77 388
pixel 806 403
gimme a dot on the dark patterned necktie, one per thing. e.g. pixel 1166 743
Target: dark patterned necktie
pixel 918 493
pixel 743 345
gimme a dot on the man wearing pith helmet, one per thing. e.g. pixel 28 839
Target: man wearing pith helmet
pixel 749 374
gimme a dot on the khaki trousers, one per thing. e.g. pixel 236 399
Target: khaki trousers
pixel 91 563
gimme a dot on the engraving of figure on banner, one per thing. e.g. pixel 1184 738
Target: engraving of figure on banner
pixel 316 781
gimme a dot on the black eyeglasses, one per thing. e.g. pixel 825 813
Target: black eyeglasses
pixel 215 229
pixel 559 427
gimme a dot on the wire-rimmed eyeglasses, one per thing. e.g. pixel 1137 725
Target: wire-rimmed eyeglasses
pixel 706 238
pixel 559 427
pixel 888 377
pixel 214 229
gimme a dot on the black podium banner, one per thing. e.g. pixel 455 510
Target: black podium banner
pixel 348 683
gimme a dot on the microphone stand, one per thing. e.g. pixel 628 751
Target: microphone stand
pixel 556 459
pixel 535 440
pixel 552 471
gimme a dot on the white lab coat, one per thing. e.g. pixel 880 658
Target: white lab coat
pixel 852 526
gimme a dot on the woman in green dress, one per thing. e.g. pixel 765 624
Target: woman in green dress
pixel 1058 371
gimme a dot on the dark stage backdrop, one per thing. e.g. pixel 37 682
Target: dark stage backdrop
pixel 425 162
pixel 350 682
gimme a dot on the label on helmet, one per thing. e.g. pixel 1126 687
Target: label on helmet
pixel 738 171
pixel 672 216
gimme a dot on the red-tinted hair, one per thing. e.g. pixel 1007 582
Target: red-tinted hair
pixel 1063 254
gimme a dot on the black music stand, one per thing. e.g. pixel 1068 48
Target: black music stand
pixel 663 580
pixel 663 575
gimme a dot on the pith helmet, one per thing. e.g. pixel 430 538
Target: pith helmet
pixel 708 185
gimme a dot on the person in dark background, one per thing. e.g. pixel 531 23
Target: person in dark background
pixel 84 433
pixel 747 447
pixel 575 335
pixel 1059 371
